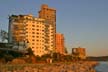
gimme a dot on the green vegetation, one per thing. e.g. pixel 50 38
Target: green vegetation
pixel 30 52
pixel 100 58
pixel 29 57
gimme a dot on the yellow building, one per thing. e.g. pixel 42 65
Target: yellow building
pixel 50 15
pixel 79 53
pixel 30 30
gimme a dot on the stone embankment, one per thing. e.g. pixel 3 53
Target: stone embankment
pixel 54 67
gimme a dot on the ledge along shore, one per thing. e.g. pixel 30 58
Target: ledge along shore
pixel 80 66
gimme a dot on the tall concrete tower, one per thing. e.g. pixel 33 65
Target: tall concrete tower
pixel 50 15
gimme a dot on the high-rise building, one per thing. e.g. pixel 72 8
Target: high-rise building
pixel 79 53
pixel 35 33
pixel 50 15
pixel 60 43
pixel 30 30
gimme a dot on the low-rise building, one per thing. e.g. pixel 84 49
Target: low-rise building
pixel 79 53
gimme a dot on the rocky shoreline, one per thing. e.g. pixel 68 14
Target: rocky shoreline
pixel 80 66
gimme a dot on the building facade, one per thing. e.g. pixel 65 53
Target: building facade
pixel 30 30
pixel 79 53
pixel 50 15
pixel 60 43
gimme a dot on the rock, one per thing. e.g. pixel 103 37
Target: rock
pixel 18 61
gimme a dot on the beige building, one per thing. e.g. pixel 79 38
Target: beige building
pixel 30 30
pixel 79 53
pixel 50 15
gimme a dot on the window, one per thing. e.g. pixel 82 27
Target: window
pixel 33 40
pixel 42 33
pixel 33 25
pixel 33 36
pixel 32 43
pixel 37 29
pixel 37 36
pixel 32 47
pixel 37 33
pixel 37 25
pixel 33 22
pixel 33 32
pixel 47 16
pixel 26 35
pixel 33 29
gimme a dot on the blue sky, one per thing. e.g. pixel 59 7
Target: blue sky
pixel 84 23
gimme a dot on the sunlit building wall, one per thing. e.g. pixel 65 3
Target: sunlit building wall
pixel 50 15
pixel 60 43
pixel 31 30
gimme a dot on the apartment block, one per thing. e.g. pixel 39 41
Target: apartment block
pixel 37 33
pixel 49 14
pixel 30 30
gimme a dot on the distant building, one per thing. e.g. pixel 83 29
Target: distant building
pixel 79 53
pixel 60 43
pixel 50 15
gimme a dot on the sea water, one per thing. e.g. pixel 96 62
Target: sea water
pixel 102 67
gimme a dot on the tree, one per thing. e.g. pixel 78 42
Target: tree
pixel 3 35
pixel 66 50
pixel 56 56
pixel 30 52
